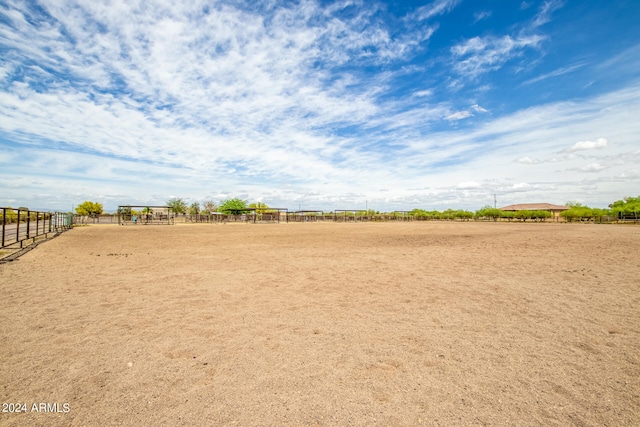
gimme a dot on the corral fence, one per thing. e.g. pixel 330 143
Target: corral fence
pixel 214 218
pixel 251 215
pixel 309 216
pixel 147 215
pixel 350 215
pixel 23 225
pixel 95 219
pixel 211 218
pixel 396 216
pixel 629 217
pixel 163 215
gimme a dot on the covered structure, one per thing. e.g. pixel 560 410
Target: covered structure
pixel 148 215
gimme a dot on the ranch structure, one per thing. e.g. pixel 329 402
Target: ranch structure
pixel 555 210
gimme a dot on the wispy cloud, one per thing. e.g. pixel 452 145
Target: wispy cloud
pixel 459 115
pixel 546 10
pixel 463 114
pixel 593 167
pixel 528 160
pixel 555 73
pixel 589 145
pixel 481 16
pixel 524 5
pixel 480 55
pixel 436 8
pixel 423 93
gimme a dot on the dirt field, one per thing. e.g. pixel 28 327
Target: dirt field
pixel 325 324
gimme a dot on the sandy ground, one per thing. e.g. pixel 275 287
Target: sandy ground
pixel 428 323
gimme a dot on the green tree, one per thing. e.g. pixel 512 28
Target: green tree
pixel 147 211
pixel 233 206
pixel 419 214
pixel 89 208
pixel 574 204
pixel 540 215
pixel 522 215
pixel 577 212
pixel 463 215
pixel 533 215
pixel 178 205
pixel 259 207
pixel 194 209
pixel 489 213
pixel 508 215
pixel 626 206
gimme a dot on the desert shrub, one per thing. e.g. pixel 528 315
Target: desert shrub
pixel 488 212
pixel 508 215
pixel 10 215
pixel 419 214
pixel 578 212
pixel 463 215
pixel 540 215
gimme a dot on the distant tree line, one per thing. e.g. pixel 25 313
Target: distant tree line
pixel 628 207
pixel 490 213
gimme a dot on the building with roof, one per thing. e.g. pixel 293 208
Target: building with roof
pixel 554 209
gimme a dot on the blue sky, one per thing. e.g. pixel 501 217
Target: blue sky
pixel 327 105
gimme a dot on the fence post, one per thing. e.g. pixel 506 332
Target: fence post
pixel 18 229
pixel 4 221
pixel 28 223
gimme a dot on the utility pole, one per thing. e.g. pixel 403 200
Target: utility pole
pixel 495 202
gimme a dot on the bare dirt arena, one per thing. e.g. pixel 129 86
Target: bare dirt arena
pixel 432 323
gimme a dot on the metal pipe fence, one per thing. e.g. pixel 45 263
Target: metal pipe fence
pixel 22 225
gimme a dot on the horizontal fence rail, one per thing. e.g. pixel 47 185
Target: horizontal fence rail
pixel 22 225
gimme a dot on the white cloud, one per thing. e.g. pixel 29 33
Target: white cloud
pixel 589 145
pixel 458 115
pixel 593 167
pixel 423 93
pixel 521 186
pixel 480 55
pixel 555 73
pixel 438 7
pixel 528 160
pixel 463 114
pixel 482 15
pixel 544 14
pixel 479 109
pixel 469 185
